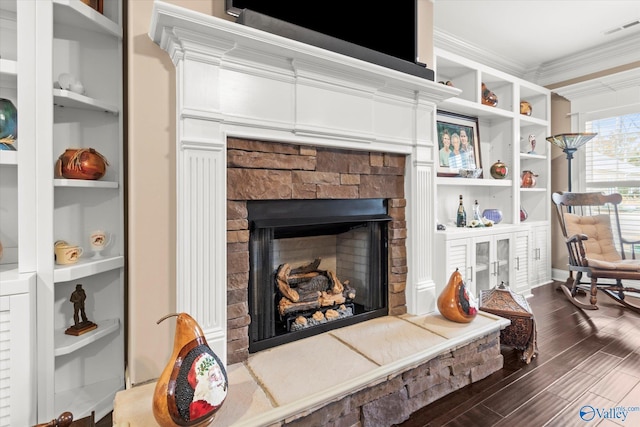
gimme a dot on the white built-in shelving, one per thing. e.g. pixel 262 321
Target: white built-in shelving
pixel 61 372
pixel 503 136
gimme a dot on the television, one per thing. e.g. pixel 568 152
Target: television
pixel 386 36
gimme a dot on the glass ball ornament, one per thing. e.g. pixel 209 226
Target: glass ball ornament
pixel 499 170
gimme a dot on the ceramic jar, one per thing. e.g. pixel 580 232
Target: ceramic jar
pixel 488 97
pixel 81 163
pixel 456 303
pixel 499 170
pixel 65 254
pixel 528 179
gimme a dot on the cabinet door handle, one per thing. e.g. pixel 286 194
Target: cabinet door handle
pixel 518 263
pixel 470 268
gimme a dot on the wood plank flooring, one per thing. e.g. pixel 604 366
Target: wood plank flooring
pixel 588 369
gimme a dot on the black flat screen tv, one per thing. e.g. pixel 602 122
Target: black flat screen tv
pixel 389 30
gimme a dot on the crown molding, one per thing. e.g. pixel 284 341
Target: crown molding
pixel 603 57
pixel 450 43
pixel 605 84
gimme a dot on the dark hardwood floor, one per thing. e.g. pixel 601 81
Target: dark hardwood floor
pixel 588 368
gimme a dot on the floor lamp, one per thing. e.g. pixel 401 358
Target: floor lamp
pixel 570 143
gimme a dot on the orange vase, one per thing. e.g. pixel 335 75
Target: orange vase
pixel 456 302
pixel 193 385
pixel 81 163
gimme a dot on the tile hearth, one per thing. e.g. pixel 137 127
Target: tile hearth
pixel 291 381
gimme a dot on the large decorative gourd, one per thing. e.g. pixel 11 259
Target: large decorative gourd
pixel 194 383
pixel 455 302
pixel 81 163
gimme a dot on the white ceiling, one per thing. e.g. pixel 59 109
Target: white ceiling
pixel 545 41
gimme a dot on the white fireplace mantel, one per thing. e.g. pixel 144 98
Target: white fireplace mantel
pixel 233 80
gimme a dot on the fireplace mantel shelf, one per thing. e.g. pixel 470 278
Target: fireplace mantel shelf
pixel 282 383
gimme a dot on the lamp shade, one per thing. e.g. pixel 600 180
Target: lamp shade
pixel 571 141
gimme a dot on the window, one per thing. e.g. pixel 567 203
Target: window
pixel 613 165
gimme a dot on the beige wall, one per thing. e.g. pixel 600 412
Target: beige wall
pixel 560 123
pixel 151 183
pixel 151 186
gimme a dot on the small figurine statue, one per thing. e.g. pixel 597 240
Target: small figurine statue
pixel 78 298
pixel 532 144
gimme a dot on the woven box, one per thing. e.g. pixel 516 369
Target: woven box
pixel 521 334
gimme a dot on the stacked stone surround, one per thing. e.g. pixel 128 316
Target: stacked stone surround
pixel 260 170
pixel 395 399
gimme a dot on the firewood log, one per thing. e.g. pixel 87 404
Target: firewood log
pixel 349 292
pixel 327 299
pixel 308 295
pixel 336 286
pixel 313 266
pixel 285 306
pixel 318 283
pixel 283 286
pixel 295 279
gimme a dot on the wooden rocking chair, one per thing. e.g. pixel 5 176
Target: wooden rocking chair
pixel 586 223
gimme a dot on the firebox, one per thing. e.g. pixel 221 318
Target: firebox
pixel 314 265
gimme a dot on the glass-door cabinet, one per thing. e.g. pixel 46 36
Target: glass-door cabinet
pixel 491 263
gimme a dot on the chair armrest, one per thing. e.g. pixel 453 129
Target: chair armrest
pixel 577 238
pixel 576 250
pixel 633 240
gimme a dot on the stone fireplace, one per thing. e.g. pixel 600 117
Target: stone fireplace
pixel 319 194
pixel 239 86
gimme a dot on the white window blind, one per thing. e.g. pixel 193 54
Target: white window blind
pixel 613 165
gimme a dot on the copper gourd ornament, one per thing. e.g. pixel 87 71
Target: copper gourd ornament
pixel 456 302
pixel 81 163
pixel 193 385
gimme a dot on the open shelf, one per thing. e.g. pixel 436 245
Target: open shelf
pixel 98 396
pixel 8 73
pixel 76 14
pixel 469 182
pixel 533 190
pixel 8 157
pixel 84 183
pixel 66 344
pixel 86 267
pixel 68 99
pixel 476 109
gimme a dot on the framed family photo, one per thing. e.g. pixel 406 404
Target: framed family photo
pixel 458 144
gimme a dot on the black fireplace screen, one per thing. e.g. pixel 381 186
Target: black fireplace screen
pixel 315 265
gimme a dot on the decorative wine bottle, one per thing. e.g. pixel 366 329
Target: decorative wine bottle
pixel 476 212
pixel 461 218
